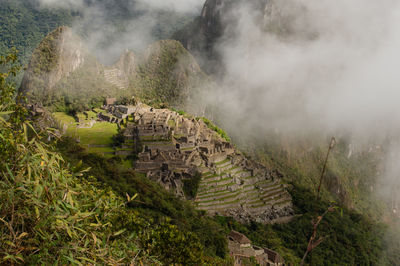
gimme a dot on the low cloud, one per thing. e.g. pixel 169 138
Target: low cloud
pixel 111 26
pixel 183 6
pixel 325 65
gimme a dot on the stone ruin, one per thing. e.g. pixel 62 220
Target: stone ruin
pixel 172 148
pixel 241 249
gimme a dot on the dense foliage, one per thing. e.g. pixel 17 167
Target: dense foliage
pixel 51 212
pixel 351 238
pixel 153 202
pixel 23 26
pixel 47 214
pixel 167 74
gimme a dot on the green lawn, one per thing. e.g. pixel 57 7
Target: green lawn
pixel 100 134
pixel 64 118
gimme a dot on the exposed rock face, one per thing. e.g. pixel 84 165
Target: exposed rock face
pixel 217 21
pixel 58 55
pixel 172 148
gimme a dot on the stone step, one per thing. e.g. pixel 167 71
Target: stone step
pixel 223 204
pixel 270 190
pixel 224 167
pixel 260 206
pixel 217 188
pixel 270 202
pixel 214 183
pixel 284 202
pixel 272 195
pixel 211 178
pixel 219 200
pixel 235 170
pixel 222 162
pixel 207 195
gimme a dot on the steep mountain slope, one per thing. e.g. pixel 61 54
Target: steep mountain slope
pixel 56 57
pixel 168 74
pixel 63 74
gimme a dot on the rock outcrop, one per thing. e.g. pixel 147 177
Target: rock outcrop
pixel 57 56
pixel 216 24
pixel 173 148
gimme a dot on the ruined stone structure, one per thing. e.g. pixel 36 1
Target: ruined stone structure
pixel 173 147
pixel 116 77
pixel 240 248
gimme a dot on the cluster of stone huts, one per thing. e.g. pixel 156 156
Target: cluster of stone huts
pixel 241 249
pixel 115 113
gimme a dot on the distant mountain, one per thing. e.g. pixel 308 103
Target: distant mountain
pixel 23 24
pixel 64 75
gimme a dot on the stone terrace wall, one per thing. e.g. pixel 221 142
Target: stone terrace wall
pixel 172 147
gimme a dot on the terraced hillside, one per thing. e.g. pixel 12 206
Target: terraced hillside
pixel 174 148
pixel 116 78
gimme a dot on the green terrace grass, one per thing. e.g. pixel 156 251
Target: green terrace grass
pixel 171 123
pixel 100 134
pixel 81 117
pixel 217 181
pixel 222 204
pixel 266 196
pixel 222 162
pixel 98 110
pixel 64 118
pixel 91 114
pixel 282 202
pixel 188 149
pixel 233 195
pixel 265 192
pixel 207 195
pixel 209 177
pixel 101 149
pixel 216 195
pixel 213 188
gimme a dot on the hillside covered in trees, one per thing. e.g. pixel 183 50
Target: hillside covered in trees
pixel 77 133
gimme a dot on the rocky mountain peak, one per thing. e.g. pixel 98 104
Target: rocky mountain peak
pixel 58 55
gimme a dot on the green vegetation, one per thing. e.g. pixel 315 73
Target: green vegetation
pixel 57 212
pixel 347 181
pixel 167 74
pixel 47 213
pixel 98 139
pixel 191 186
pixel 23 26
pixel 220 131
pixel 153 202
pixel 351 238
